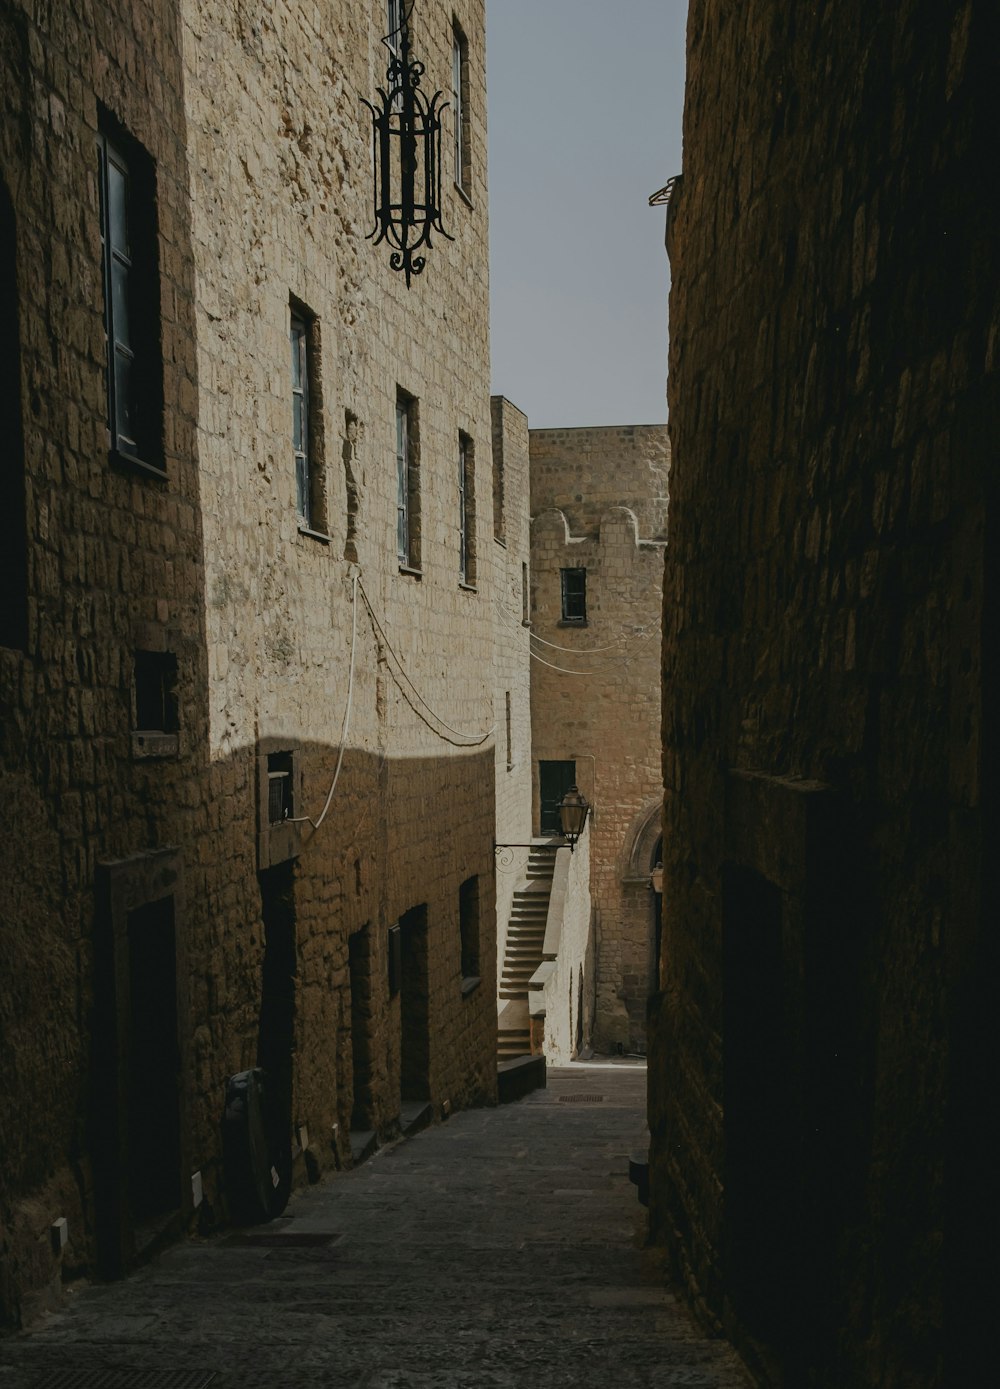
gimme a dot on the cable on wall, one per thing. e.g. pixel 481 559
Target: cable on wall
pixel 307 819
pixel 468 739
pixel 574 650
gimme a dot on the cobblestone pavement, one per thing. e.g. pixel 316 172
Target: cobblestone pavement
pixel 501 1249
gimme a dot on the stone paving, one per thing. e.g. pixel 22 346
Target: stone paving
pixel 501 1249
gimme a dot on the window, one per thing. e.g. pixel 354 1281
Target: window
pixel 510 752
pixel 466 511
pixel 394 19
pixel 497 404
pixel 280 794
pixel 131 299
pixel 407 483
pixel 155 722
pixel 525 614
pixel 460 109
pixel 468 925
pixel 307 421
pixel 574 595
pixel 13 523
pixel 156 690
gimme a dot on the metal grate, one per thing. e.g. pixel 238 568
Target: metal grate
pixel 300 1239
pixel 581 1099
pixel 122 1378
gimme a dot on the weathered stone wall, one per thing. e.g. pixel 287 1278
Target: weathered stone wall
pixel 250 114
pixel 599 502
pixel 113 565
pixel 511 662
pixel 282 203
pixel 567 966
pixel 818 1045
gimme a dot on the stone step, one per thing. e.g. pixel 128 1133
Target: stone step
pixel 512 991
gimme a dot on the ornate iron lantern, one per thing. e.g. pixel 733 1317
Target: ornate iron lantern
pixel 573 811
pixel 406 143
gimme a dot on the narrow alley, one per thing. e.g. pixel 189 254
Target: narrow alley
pixel 501 1249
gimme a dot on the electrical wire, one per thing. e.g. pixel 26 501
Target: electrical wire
pixel 468 739
pixel 576 651
pixel 307 819
pixel 639 636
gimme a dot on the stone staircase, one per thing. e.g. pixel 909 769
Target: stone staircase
pixel 523 950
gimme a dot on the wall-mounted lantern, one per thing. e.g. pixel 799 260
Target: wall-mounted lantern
pixel 573 811
pixel 406 144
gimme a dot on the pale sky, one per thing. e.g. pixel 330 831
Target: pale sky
pixel 585 103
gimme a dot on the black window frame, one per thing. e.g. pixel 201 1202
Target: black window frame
pixel 573 588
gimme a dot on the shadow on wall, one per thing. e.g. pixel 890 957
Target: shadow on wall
pixel 256 942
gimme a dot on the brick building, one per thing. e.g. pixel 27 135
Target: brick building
pixel 598 534
pixel 250 569
pixel 821 1053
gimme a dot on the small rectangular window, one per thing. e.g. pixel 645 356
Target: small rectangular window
pixel 510 750
pixel 127 186
pixel 407 482
pixel 468 920
pixel 307 420
pixel 156 691
pixel 155 722
pixel 280 795
pixel 574 595
pixel 525 613
pixel 466 511
pixel 460 109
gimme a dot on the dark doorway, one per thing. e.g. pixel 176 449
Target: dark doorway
pixel 414 1009
pixel 276 1034
pixel 554 780
pixel 152 1067
pixel 758 1107
pixel 360 965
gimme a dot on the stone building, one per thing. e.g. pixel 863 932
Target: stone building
pixel 251 564
pixel 598 534
pixel 821 1072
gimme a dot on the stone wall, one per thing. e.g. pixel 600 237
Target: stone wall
pixel 511 662
pixel 559 982
pixel 274 933
pixel 113 565
pixel 599 502
pixel 280 222
pixel 818 1165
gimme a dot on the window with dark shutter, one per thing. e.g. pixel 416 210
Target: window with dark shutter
pixel 574 595
pixel 131 299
